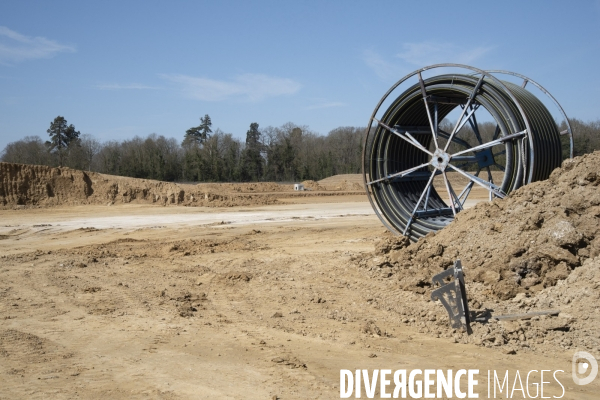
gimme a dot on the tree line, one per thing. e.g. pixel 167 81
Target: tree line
pixel 287 153
pixel 283 154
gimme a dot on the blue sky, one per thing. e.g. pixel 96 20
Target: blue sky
pixel 116 69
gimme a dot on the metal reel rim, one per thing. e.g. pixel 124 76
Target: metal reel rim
pixel 547 93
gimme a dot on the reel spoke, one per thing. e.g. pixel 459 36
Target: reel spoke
pixel 424 94
pixel 475 127
pixel 467 190
pixel 491 180
pixel 460 122
pixel 459 141
pixel 485 184
pixel 407 138
pixel 400 174
pixel 449 193
pixel 427 188
pixel 496 132
pixel 493 143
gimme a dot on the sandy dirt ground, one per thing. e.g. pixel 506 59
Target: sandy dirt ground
pixel 256 302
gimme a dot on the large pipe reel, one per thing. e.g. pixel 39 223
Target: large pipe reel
pixel 419 170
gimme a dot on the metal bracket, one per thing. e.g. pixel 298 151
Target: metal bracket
pixel 529 315
pixel 453 296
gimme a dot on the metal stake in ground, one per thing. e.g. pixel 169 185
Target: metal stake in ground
pixel 453 296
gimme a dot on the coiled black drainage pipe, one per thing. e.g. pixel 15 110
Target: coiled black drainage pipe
pixel 406 150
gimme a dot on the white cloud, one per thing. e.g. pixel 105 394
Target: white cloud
pixel 118 86
pixel 383 68
pixel 248 87
pixel 15 47
pixel 418 55
pixel 326 105
pixel 428 53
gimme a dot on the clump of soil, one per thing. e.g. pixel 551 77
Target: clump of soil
pixel 521 244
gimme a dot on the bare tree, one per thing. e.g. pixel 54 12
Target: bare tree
pixel 90 147
pixel 29 150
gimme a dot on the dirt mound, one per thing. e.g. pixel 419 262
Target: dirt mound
pixel 522 244
pixel 251 187
pixel 575 326
pixel 343 182
pixel 345 185
pixel 35 185
pixel 312 185
pixel 536 250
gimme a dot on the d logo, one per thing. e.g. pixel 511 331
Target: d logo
pixel 582 361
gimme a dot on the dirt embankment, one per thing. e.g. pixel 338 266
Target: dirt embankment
pixel 535 250
pixel 36 185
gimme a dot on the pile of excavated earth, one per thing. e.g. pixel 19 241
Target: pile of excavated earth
pixel 36 185
pixel 343 182
pixel 536 250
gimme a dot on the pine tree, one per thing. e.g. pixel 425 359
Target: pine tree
pixel 198 135
pixel 252 159
pixel 61 137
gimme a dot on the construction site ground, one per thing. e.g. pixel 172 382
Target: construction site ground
pixel 251 301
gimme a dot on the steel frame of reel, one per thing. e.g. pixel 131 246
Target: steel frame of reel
pixel 405 149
